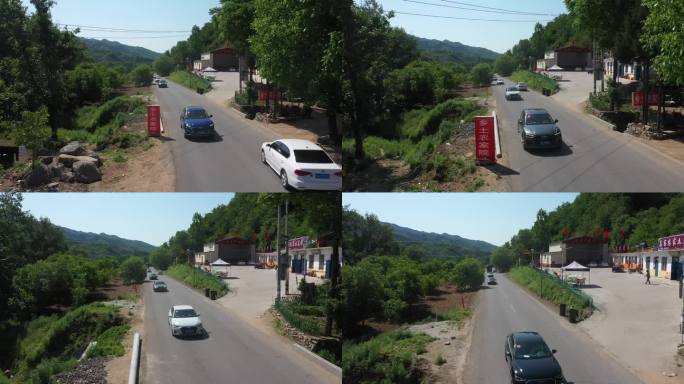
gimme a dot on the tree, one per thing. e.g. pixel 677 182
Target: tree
pixel 468 274
pixel 481 74
pixel 133 270
pixel 505 64
pixel 33 132
pixel 363 294
pixel 161 258
pixel 664 36
pixel 503 258
pixel 85 82
pixel 163 65
pixel 142 75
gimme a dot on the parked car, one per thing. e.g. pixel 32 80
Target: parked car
pixel 162 83
pixel 538 129
pixel 302 165
pixel 530 360
pixel 491 281
pixel 184 321
pixel 522 86
pixel 159 286
pixel 153 276
pixel 618 268
pixel 512 93
pixel 196 122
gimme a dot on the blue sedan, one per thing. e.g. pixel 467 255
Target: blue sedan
pixel 196 122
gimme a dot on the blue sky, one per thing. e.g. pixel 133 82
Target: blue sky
pixel 492 217
pixel 150 217
pixel 181 15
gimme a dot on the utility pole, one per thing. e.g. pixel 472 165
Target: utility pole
pixel 278 254
pixel 287 253
pixel 593 55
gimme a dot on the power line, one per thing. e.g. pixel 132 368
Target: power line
pixel 500 11
pixel 107 29
pixel 134 37
pixel 468 18
pixel 497 9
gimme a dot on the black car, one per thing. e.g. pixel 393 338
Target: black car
pixel 153 276
pixel 531 361
pixel 159 286
pixel 196 122
pixel 538 129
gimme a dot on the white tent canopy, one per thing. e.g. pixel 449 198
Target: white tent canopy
pixel 555 68
pixel 209 69
pixel 220 263
pixel 575 266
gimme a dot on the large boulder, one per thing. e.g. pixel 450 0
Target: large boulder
pixel 37 177
pixel 74 149
pixel 56 170
pixel 69 160
pixel 87 172
pixel 67 176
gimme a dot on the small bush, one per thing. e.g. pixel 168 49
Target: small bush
pixel 109 342
pixel 440 360
pixel 311 325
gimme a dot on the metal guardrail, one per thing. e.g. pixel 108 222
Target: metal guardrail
pixel 496 136
pixel 135 360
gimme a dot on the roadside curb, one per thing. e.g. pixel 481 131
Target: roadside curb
pixel 606 123
pixel 328 366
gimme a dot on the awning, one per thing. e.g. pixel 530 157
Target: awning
pixel 209 69
pixel 575 266
pixel 554 68
pixel 220 263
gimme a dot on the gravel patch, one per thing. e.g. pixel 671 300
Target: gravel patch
pixel 91 371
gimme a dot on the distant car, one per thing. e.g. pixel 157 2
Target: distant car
pixel 159 286
pixel 184 321
pixel 522 86
pixel 530 360
pixel 538 129
pixel 512 93
pixel 162 83
pixel 160 273
pixel 500 82
pixel 155 81
pixel 196 122
pixel 302 165
pixel 153 276
pixel 491 281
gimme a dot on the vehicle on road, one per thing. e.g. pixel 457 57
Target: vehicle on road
pixel 162 83
pixel 490 275
pixel 512 93
pixel 196 122
pixel 538 129
pixel 159 286
pixel 153 276
pixel 491 281
pixel 522 86
pixel 184 321
pixel 302 165
pixel 500 82
pixel 160 273
pixel 530 360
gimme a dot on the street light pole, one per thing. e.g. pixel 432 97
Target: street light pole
pixel 278 255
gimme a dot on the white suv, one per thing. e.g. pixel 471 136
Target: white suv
pixel 184 321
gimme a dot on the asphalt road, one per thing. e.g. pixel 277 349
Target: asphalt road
pixel 593 158
pixel 234 351
pixel 505 308
pixel 231 162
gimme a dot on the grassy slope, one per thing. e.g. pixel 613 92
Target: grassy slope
pixel 535 81
pixel 190 80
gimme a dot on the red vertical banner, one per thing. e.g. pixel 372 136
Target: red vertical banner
pixel 153 120
pixel 485 145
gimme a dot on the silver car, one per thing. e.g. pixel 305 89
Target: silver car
pixel 184 321
pixel 538 129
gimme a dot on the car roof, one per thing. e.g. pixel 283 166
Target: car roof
pixel 193 107
pixel 535 111
pixel 526 336
pixel 177 307
pixel 296 144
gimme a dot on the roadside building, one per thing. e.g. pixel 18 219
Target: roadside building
pixel 223 59
pixel 666 260
pixel 569 58
pixel 585 250
pixel 232 250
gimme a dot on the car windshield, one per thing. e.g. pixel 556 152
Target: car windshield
pixel 513 89
pixel 534 349
pixel 185 313
pixel 312 156
pixel 196 114
pixel 538 118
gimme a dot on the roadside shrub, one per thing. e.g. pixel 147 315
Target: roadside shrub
pixel 535 81
pixel 468 274
pixel 387 358
pixel 198 278
pixel 190 80
pixel 42 373
pixel 311 325
pixel 92 117
pixel 427 124
pixel 109 342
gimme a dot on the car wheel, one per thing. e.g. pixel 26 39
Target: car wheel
pixel 263 157
pixel 283 179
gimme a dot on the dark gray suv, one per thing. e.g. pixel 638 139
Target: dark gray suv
pixel 531 361
pixel 538 129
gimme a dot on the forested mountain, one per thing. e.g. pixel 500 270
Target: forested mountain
pixel 454 243
pixel 449 51
pixel 102 245
pixel 113 52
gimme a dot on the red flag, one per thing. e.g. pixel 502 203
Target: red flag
pixel 566 232
pixel 606 234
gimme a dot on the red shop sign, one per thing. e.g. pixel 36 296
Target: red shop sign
pixel 153 120
pixel 671 242
pixel 485 150
pixel 298 243
pixel 638 98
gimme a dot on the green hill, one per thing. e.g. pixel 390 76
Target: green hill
pixel 435 245
pixel 112 52
pixel 100 245
pixel 449 51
